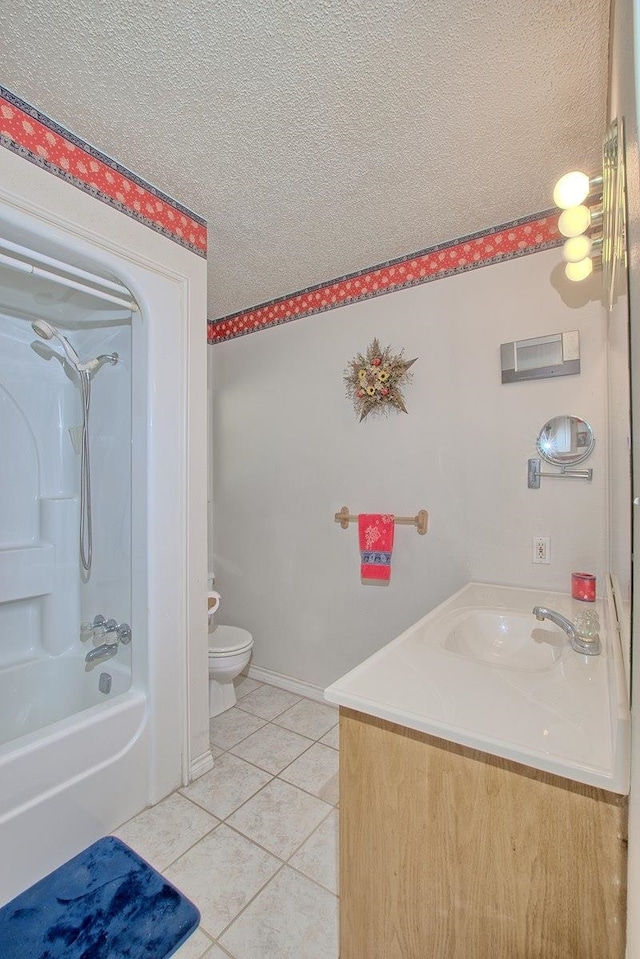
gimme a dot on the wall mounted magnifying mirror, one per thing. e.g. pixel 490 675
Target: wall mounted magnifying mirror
pixel 563 441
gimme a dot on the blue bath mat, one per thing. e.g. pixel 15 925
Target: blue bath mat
pixel 105 903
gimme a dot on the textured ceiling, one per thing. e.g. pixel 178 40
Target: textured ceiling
pixel 319 137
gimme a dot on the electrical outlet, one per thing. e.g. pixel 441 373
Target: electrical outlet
pixel 541 549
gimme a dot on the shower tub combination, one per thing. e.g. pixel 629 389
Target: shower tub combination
pixel 79 732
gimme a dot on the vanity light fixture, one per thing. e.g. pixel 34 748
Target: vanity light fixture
pixel 594 216
pixel 573 188
pixel 578 219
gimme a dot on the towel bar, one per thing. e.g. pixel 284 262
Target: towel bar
pixel 420 520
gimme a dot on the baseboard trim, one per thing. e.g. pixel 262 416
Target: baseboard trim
pixel 287 682
pixel 201 765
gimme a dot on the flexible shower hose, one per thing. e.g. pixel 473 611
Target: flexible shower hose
pixel 86 533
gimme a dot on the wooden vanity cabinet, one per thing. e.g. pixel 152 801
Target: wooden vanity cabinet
pixel 450 853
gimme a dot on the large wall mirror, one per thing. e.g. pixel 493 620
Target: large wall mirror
pixel 619 402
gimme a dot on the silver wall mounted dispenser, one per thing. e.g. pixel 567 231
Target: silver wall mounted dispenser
pixel 542 356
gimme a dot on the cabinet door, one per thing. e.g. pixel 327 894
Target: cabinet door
pixel 449 853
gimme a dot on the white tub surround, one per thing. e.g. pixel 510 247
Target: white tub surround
pixel 73 778
pixel 480 671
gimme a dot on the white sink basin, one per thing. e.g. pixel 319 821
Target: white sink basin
pixel 509 640
pixel 481 671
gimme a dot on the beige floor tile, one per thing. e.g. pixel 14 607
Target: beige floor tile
pixel 221 874
pixel 245 685
pixel 279 817
pixel 309 718
pixel 165 831
pixel 232 726
pixel 216 953
pixel 332 738
pixel 292 918
pixel 268 702
pixel 195 947
pixel 272 747
pixel 318 857
pixel 230 783
pixel 315 771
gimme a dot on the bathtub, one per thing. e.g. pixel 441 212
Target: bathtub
pixel 40 692
pixel 73 773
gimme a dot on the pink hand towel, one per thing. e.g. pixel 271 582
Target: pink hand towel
pixel 375 535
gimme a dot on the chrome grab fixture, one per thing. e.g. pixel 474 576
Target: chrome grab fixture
pixel 113 634
pixel 589 645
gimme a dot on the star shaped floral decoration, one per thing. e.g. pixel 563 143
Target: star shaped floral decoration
pixel 374 381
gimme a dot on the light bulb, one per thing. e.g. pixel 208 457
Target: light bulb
pixel 574 221
pixel 571 189
pixel 580 270
pixel 576 249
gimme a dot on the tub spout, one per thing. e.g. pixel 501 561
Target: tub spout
pixel 581 644
pixel 100 653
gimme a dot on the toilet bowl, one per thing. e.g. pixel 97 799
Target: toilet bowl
pixel 229 652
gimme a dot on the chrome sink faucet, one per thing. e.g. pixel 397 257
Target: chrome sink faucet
pixel 589 645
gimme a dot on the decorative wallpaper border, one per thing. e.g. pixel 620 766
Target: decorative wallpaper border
pixel 34 136
pixel 508 241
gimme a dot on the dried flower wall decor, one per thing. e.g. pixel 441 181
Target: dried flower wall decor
pixel 374 381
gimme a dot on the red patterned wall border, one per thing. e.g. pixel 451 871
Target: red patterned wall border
pixel 32 135
pixel 528 235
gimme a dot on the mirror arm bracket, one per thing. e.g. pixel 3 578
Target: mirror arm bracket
pixel 534 472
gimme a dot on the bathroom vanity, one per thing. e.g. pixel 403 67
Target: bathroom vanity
pixel 483 781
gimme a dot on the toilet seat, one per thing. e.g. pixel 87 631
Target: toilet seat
pixel 229 641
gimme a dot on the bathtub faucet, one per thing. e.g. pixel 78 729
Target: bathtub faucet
pixel 110 630
pixel 582 644
pixel 99 653
pixel 113 634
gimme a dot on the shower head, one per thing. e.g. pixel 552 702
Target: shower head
pixel 48 332
pixel 43 329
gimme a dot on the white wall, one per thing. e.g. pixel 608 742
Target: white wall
pixel 289 452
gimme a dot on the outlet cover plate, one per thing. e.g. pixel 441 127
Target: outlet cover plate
pixel 541 546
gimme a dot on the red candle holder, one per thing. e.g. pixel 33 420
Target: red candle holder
pixel 583 587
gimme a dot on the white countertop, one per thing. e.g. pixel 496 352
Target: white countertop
pixel 565 714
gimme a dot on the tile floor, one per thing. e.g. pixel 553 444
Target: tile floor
pixel 253 843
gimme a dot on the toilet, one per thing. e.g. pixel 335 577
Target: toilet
pixel 229 652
